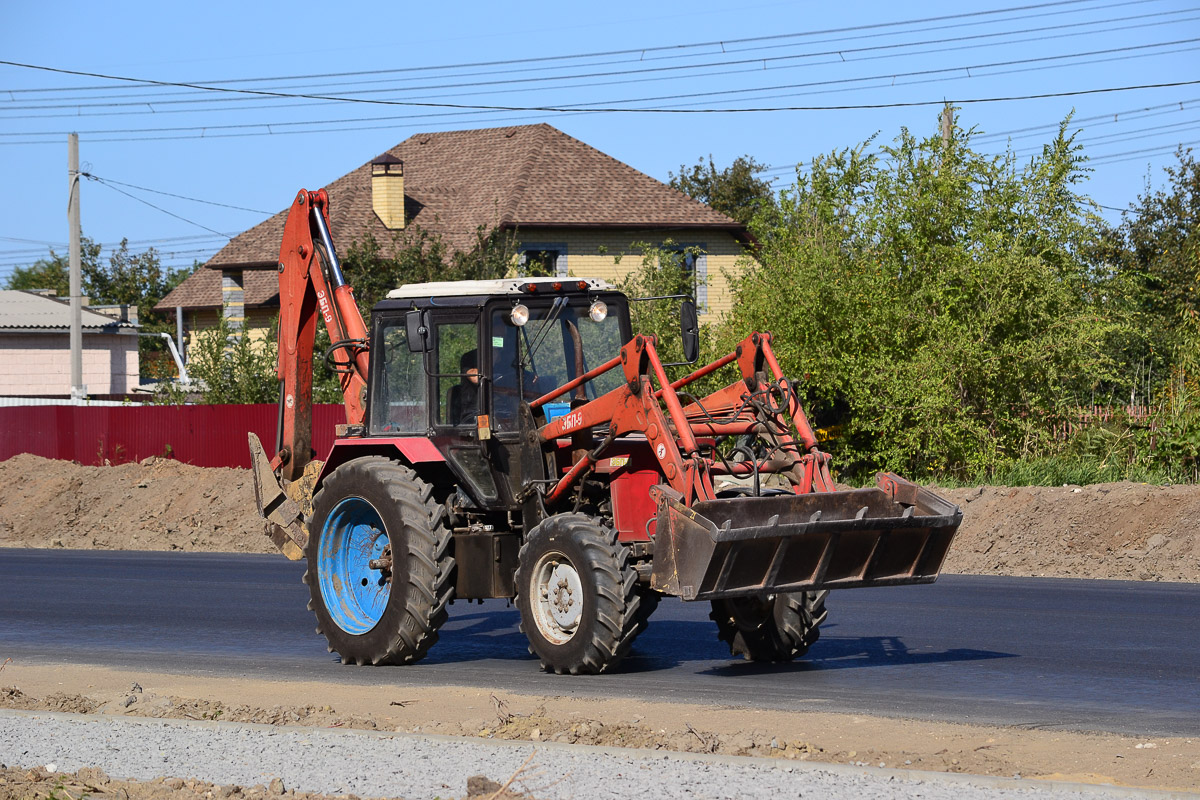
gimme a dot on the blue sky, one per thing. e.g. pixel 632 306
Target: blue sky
pixel 254 151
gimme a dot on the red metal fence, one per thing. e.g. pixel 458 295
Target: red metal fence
pixel 215 436
pixel 1087 416
pixel 207 436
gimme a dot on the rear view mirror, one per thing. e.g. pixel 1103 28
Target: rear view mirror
pixel 417 332
pixel 689 331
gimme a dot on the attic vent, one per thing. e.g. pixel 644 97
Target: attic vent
pixel 387 191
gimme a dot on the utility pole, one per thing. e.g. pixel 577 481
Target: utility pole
pixel 947 125
pixel 78 390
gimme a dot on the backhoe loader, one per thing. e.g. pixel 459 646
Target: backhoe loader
pixel 517 439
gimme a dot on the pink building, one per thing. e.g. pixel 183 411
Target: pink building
pixel 35 349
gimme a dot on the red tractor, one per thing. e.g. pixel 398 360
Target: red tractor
pixel 516 439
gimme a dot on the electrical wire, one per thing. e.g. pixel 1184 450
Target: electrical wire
pixel 1128 155
pixel 552 108
pixel 134 101
pixel 588 109
pixel 179 196
pixel 156 208
pixel 631 51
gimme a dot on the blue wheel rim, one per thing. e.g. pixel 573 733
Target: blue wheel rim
pixel 355 595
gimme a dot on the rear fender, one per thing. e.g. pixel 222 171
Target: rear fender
pixel 415 451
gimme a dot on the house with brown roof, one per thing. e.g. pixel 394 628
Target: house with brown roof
pixel 574 210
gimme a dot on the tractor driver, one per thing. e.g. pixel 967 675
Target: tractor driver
pixel 463 401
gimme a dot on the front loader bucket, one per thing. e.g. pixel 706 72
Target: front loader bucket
pixel 893 534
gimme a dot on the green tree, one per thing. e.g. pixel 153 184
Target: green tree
pixel 232 368
pixel 1155 254
pixel 735 191
pixel 937 304
pixel 54 271
pixel 660 274
pixel 418 256
pixel 1162 238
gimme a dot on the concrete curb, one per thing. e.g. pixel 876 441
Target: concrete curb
pixel 944 778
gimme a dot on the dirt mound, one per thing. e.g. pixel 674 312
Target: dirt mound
pixel 158 504
pixel 1125 530
pixel 1114 530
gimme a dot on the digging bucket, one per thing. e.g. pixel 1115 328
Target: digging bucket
pixel 892 534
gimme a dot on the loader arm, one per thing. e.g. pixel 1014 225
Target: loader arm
pixel 761 400
pixel 801 536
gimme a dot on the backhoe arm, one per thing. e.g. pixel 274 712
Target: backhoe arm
pixel 311 283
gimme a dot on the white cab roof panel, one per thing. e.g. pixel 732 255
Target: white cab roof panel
pixel 503 286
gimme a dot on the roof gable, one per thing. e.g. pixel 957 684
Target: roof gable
pixel 455 182
pixel 25 310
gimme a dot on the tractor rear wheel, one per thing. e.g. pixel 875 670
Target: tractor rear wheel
pixel 576 591
pixel 777 627
pixel 378 569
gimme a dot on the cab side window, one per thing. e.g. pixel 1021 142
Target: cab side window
pixel 458 363
pixel 398 403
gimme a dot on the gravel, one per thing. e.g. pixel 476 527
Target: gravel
pixel 412 766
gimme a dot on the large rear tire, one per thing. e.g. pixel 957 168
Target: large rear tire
pixel 777 627
pixel 576 591
pixel 378 569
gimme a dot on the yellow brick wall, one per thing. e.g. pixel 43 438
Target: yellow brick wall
pixel 610 254
pixel 258 322
pixel 387 199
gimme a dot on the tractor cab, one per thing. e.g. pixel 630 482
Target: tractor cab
pixel 454 361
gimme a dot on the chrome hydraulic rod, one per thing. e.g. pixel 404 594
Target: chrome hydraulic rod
pixel 336 279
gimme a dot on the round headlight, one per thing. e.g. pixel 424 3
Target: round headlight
pixel 519 315
pixel 598 311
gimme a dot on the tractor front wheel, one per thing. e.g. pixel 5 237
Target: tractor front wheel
pixel 576 591
pixel 378 569
pixel 777 627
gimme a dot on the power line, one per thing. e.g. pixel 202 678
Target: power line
pixel 1113 158
pixel 179 196
pixel 135 101
pixel 604 53
pixel 205 132
pixel 465 116
pixel 156 208
pixel 1112 118
pixel 550 108
pixel 586 109
pixel 252 95
pixel 30 241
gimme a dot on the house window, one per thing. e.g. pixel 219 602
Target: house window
pixel 544 260
pixel 694 261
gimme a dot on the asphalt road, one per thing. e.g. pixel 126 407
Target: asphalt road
pixel 1045 653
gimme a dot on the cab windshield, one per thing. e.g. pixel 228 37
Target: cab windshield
pixel 560 341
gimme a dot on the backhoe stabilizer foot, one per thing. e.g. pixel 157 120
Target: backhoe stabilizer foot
pixel 285 522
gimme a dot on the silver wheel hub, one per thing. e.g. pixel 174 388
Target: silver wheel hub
pixel 557 598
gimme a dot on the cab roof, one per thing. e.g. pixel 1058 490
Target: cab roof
pixel 502 286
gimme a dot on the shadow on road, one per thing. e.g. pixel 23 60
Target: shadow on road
pixel 834 653
pixel 666 644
